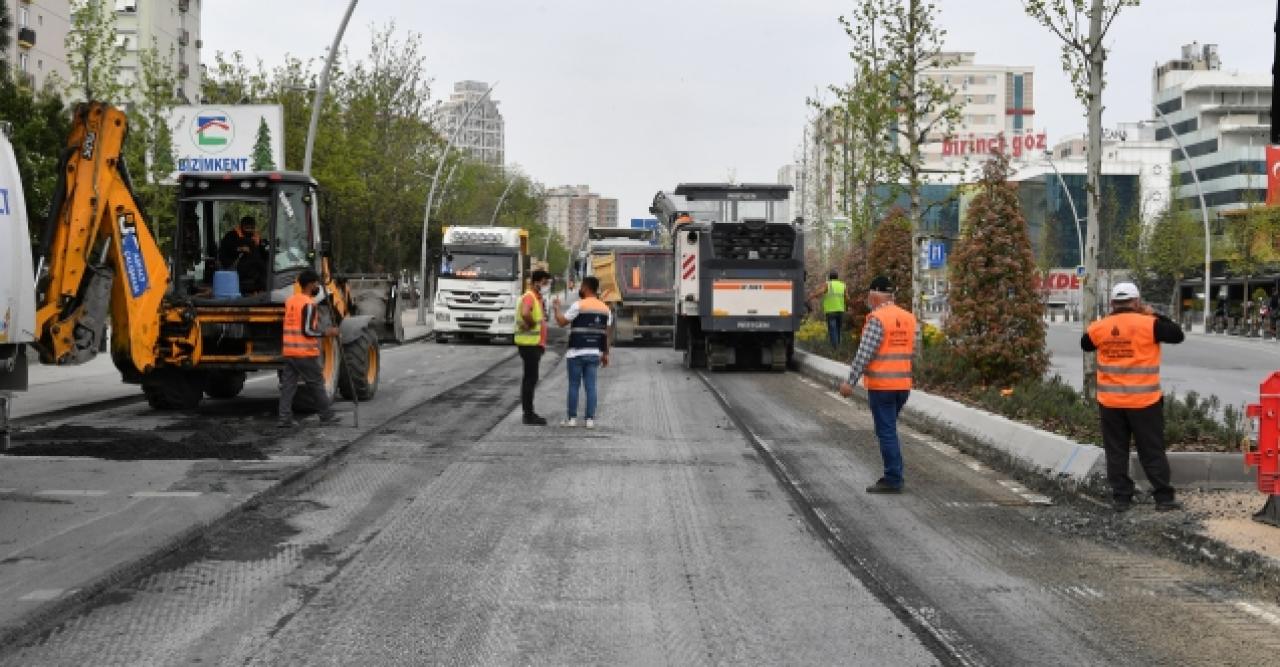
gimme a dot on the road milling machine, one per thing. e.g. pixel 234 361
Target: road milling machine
pixel 191 325
pixel 738 273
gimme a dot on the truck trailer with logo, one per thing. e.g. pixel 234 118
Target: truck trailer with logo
pixel 17 285
pixel 738 273
pixel 635 280
pixel 481 278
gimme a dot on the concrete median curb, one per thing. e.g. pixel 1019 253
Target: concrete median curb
pixel 1046 453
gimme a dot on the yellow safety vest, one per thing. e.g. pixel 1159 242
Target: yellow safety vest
pixel 532 336
pixel 833 300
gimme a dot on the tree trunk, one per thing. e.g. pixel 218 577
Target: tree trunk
pixel 913 148
pixel 1097 58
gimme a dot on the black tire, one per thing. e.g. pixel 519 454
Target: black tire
pixel 361 368
pixel 441 338
pixel 224 384
pixel 173 389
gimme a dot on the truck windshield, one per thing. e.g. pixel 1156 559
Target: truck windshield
pixel 478 266
pixel 645 274
pixel 292 231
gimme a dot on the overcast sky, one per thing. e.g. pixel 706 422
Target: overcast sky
pixel 633 96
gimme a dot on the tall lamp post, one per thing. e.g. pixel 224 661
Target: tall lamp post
pixel 1204 214
pixel 431 194
pixel 494 219
pixel 323 88
pixel 1075 215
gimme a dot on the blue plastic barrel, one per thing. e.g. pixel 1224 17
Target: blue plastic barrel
pixel 226 285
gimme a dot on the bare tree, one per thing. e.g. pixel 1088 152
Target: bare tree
pixel 1084 61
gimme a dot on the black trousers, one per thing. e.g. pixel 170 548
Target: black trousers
pixel 1146 427
pixel 531 355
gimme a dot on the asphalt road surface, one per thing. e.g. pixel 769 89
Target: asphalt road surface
pixel 1224 366
pixel 710 519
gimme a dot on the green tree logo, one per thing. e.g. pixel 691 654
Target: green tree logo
pixel 262 160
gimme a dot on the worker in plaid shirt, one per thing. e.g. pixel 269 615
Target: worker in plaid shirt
pixel 883 363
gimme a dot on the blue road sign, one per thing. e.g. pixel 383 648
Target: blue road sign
pixel 937 254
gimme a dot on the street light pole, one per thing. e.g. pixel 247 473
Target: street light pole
pixel 501 199
pixel 1075 215
pixel 426 214
pixel 1204 215
pixel 322 88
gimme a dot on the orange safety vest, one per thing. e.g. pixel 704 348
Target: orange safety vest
pixel 1128 360
pixel 890 368
pixel 296 343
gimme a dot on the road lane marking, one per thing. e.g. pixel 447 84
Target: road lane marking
pixel 72 492
pixel 43 595
pixel 166 494
pixel 1258 612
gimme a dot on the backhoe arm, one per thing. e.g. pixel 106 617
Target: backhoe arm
pixel 101 257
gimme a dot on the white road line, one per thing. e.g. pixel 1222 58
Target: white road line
pixel 43 595
pixel 1258 612
pixel 8 490
pixel 71 492
pixel 166 494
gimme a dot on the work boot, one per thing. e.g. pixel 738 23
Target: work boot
pixel 569 422
pixel 1121 505
pixel 330 418
pixel 287 423
pixel 882 486
pixel 1168 505
pixel 535 420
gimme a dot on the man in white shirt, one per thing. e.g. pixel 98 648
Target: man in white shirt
pixel 589 320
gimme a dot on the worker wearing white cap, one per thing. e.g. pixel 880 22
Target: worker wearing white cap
pixel 1130 402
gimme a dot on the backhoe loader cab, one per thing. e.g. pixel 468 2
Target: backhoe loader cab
pixel 255 266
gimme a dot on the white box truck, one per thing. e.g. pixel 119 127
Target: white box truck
pixel 17 285
pixel 481 277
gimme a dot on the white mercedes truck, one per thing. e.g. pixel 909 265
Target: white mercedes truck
pixel 17 285
pixel 481 277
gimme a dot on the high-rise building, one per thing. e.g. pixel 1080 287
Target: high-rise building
pixel 1222 119
pixel 570 209
pixel 172 28
pixel 997 101
pixel 37 51
pixel 483 136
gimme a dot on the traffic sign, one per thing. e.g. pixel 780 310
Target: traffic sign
pixel 937 254
pixel 1080 271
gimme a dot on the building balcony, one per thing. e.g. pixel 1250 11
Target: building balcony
pixel 26 79
pixel 26 38
pixel 184 71
pixel 184 5
pixel 184 38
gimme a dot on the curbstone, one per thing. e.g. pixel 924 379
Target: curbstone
pixel 1048 454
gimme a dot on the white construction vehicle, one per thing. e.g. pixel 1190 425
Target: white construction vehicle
pixel 17 285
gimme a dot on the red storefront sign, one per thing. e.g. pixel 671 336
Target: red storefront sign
pixel 1060 286
pixel 975 144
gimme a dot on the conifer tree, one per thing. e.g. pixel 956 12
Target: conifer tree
pixel 262 160
pixel 891 255
pixel 995 323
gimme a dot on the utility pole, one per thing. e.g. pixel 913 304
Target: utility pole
pixel 322 88
pixel 431 194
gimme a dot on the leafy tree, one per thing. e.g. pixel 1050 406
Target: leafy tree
pixel 92 53
pixel 149 150
pixel 926 108
pixel 40 125
pixel 1084 60
pixel 891 255
pixel 995 323
pixel 262 160
pixel 1251 237
pixel 1159 257
pixel 6 24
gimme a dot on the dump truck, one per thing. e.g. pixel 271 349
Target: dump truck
pixel 189 325
pixel 738 272
pixel 17 285
pixel 482 275
pixel 635 280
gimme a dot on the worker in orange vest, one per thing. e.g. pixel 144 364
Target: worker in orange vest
pixel 883 362
pixel 1130 402
pixel 302 334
